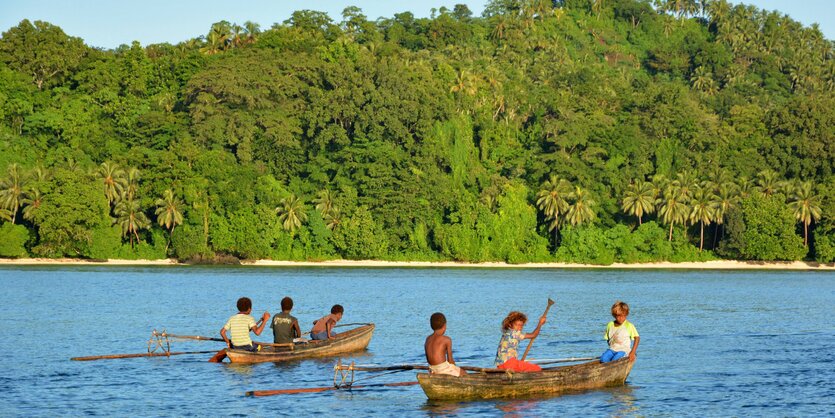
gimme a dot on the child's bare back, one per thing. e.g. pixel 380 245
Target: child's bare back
pixel 436 347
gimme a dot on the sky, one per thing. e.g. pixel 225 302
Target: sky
pixel 110 23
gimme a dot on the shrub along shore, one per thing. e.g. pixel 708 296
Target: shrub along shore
pixel 701 265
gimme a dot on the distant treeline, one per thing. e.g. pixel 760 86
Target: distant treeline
pixel 578 130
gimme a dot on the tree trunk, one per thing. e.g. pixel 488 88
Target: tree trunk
pixel 639 220
pixel 805 234
pixel 556 231
pixel 671 231
pixel 702 236
pixel 170 233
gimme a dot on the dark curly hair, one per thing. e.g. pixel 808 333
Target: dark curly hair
pixel 513 317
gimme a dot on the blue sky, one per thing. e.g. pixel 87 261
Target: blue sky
pixel 109 23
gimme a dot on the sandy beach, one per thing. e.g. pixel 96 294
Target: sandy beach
pixel 706 265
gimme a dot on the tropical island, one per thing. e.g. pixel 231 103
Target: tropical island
pixel 579 131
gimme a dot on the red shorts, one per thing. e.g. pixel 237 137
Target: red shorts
pixel 517 365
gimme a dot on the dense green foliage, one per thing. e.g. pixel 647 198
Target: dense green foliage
pixel 762 228
pixel 579 130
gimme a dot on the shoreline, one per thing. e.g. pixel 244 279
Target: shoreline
pixel 702 265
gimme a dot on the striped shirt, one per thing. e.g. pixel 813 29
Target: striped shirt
pixel 238 327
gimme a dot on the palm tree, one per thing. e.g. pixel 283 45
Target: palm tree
pixel 11 190
pixel 767 182
pixel 703 204
pixel 130 219
pixel 324 202
pixel 31 203
pixel 333 218
pixel 596 7
pixel 132 184
pixel 113 179
pixel 252 31
pixel 727 196
pixel 291 213
pixel 551 200
pixel 168 213
pixel 806 206
pixel 744 187
pixel 580 211
pixel 40 174
pixel 639 199
pixel 702 80
pixel 5 214
pixel 673 206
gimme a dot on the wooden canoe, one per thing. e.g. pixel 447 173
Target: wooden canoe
pixel 503 384
pixel 356 339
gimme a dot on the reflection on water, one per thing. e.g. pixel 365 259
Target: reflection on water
pixel 517 408
pixel 622 401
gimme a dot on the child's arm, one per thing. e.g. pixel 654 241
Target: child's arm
pixel 449 351
pixel 296 330
pixel 263 321
pixel 634 348
pixel 535 332
pixel 225 338
pixel 329 326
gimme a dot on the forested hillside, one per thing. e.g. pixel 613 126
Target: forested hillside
pixel 584 130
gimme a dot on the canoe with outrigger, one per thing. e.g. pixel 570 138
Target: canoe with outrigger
pixel 356 339
pixel 496 383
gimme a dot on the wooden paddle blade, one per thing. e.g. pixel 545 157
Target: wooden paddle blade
pixel 323 389
pixel 550 302
pixel 118 356
pixel 287 391
pixel 217 358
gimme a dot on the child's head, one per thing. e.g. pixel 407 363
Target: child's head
pixel 620 310
pixel 437 321
pixel 244 304
pixel 337 310
pixel 286 303
pixel 514 320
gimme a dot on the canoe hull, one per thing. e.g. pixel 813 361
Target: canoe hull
pixel 350 341
pixel 550 381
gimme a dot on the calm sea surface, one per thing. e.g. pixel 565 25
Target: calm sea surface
pixel 712 343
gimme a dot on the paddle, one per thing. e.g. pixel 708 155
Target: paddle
pixel 550 302
pixel 116 356
pixel 322 389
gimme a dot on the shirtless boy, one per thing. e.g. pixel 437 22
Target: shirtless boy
pixel 438 348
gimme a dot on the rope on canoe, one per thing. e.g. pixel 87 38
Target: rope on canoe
pixel 345 372
pixel 159 341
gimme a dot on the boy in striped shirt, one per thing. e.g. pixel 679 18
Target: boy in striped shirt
pixel 240 324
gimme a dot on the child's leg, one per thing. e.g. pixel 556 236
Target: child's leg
pixel 607 356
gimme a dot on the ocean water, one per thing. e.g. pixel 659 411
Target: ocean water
pixel 713 343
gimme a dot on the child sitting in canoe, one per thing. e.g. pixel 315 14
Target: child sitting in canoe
pixel 509 344
pixel 438 348
pixel 323 327
pixel 620 333
pixel 240 324
pixel 285 326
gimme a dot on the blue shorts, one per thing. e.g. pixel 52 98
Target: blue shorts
pixel 610 355
pixel 321 335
